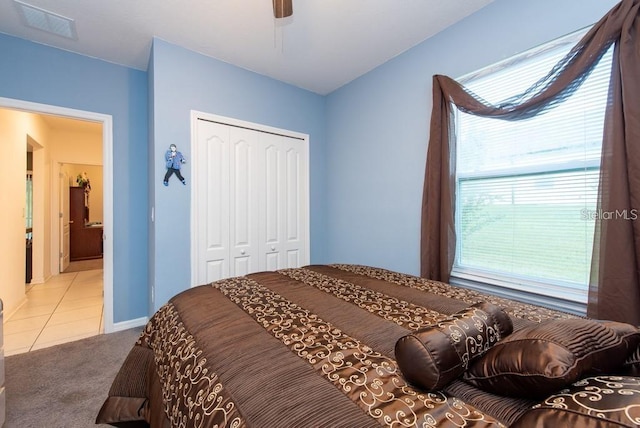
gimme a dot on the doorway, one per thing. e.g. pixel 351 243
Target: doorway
pixel 51 185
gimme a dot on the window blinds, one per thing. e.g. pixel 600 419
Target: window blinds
pixel 526 190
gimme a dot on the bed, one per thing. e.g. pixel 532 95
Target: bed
pixel 358 346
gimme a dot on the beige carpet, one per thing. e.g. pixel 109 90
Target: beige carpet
pixel 81 265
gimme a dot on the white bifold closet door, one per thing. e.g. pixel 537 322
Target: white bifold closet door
pixel 251 190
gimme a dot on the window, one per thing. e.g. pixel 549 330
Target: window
pixel 526 190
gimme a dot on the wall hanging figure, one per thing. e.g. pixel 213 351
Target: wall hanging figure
pixel 174 161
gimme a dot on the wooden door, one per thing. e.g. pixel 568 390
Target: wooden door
pixel 65 232
pixel 77 215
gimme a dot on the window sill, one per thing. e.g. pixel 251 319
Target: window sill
pixel 564 299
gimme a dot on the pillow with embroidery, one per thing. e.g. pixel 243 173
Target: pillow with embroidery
pixel 542 359
pixel 432 357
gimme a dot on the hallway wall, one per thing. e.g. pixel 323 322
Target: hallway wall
pixel 15 127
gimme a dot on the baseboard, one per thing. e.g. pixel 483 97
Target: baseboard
pixel 40 280
pixel 9 313
pixel 126 325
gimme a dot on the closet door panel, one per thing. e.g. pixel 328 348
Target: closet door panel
pixel 294 258
pixel 217 213
pixel 216 270
pixel 213 220
pixel 292 196
pixel 272 261
pixel 270 202
pixel 294 200
pixel 282 186
pixel 271 195
pixel 243 203
pixel 242 266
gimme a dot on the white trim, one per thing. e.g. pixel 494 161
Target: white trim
pixel 554 289
pixel 567 40
pixel 39 280
pixel 126 325
pixel 194 192
pixel 527 296
pixel 107 165
pixel 195 115
pixel 7 315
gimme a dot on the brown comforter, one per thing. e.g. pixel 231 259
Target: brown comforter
pixel 306 347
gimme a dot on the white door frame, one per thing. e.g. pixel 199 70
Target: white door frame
pixel 107 165
pixel 195 115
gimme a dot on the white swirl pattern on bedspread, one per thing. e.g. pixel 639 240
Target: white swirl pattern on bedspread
pixel 367 377
pixel 193 395
pixel 387 307
pixel 517 309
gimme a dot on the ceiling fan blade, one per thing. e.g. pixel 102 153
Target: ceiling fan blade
pixel 282 8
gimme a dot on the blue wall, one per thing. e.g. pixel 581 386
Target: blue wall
pixel 377 126
pixel 182 81
pixel 40 74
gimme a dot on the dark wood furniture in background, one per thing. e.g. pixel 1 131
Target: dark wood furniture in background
pixel 85 241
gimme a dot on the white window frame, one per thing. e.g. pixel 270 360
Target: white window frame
pixel 559 295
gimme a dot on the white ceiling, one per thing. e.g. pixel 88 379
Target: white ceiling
pixel 324 45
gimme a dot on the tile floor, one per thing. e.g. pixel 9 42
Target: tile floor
pixel 67 307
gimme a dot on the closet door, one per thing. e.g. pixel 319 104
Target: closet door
pixel 283 215
pixel 212 189
pixel 243 226
pixel 296 215
pixel 250 199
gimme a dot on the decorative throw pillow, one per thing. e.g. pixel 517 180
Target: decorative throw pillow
pixel 628 332
pixel 631 366
pixel 594 402
pixel 432 357
pixel 539 360
pixel 631 334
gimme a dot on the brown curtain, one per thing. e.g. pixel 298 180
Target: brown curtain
pixel 620 164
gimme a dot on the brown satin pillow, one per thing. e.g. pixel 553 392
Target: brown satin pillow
pixel 539 360
pixel 432 357
pixel 594 402
pixel 628 332
pixel 631 334
pixel 631 366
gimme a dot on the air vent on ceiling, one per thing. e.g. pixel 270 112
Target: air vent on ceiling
pixel 45 20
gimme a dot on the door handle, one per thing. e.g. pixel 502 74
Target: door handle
pixel 242 252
